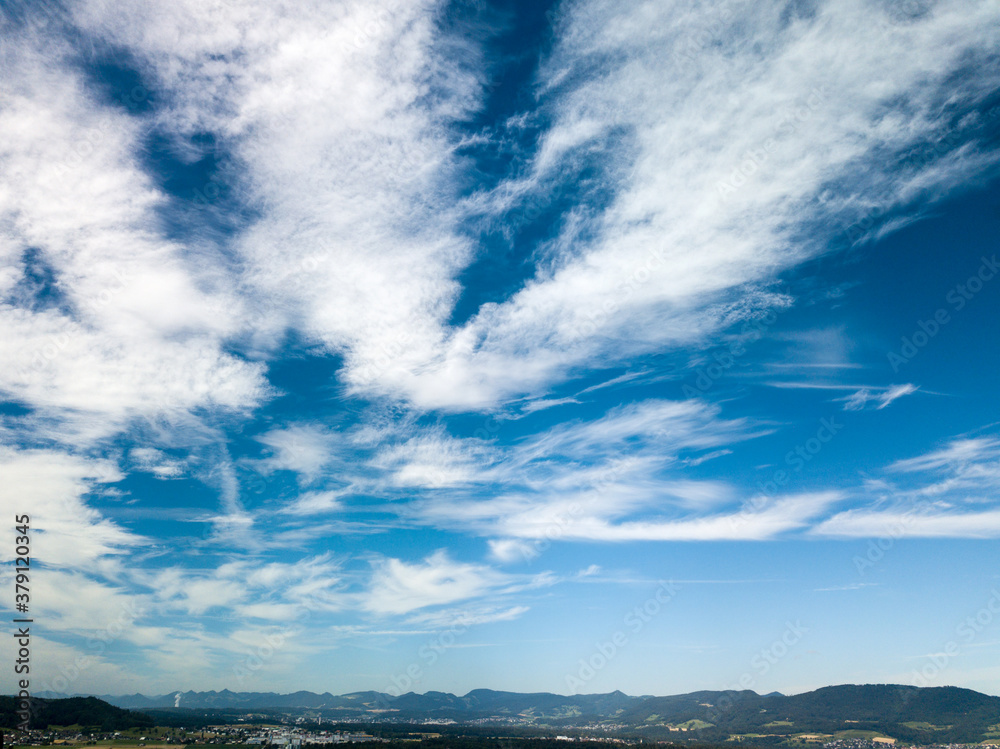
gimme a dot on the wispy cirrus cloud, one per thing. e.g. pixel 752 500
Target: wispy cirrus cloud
pixel 52 487
pixel 315 503
pixel 881 397
pixel 794 134
pixel 126 329
pixel 950 493
pixel 848 586
pixel 604 516
pixel 398 587
pixel 156 462
pixel 907 523
pixel 435 460
pixel 863 397
pixel 954 456
pixel 305 449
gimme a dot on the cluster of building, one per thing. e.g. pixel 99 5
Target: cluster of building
pixel 602 739
pixel 598 728
pixel 294 738
pixel 288 738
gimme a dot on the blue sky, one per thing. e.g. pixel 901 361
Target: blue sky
pixel 432 345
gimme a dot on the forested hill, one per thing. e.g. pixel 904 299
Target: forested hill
pixel 83 711
pixel 921 715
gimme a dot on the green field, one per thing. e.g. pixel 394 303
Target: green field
pixel 855 733
pixel 695 725
pixel 924 726
pixel 811 738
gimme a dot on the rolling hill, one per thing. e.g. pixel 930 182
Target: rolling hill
pixel 920 715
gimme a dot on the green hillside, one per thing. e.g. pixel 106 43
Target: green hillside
pixel 919 715
pixel 82 711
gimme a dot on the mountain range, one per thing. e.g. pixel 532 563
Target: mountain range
pixel 915 714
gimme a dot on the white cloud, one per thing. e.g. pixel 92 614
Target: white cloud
pixel 348 159
pixel 670 248
pixel 249 589
pixel 467 616
pixel 305 449
pixel 667 426
pixel 706 457
pixel 607 513
pixel 818 348
pixel 958 502
pixel 956 454
pixel 540 404
pixel 860 399
pixel 893 392
pixel 912 524
pixel 849 586
pixel 435 461
pixel 315 503
pixel 509 550
pixel 156 462
pixel 591 479
pixel 621 379
pixel 784 514
pixel 73 670
pixel 857 400
pixel 51 487
pixel 328 115
pixel 398 587
pixel 131 330
pixel 72 601
pixel 196 593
